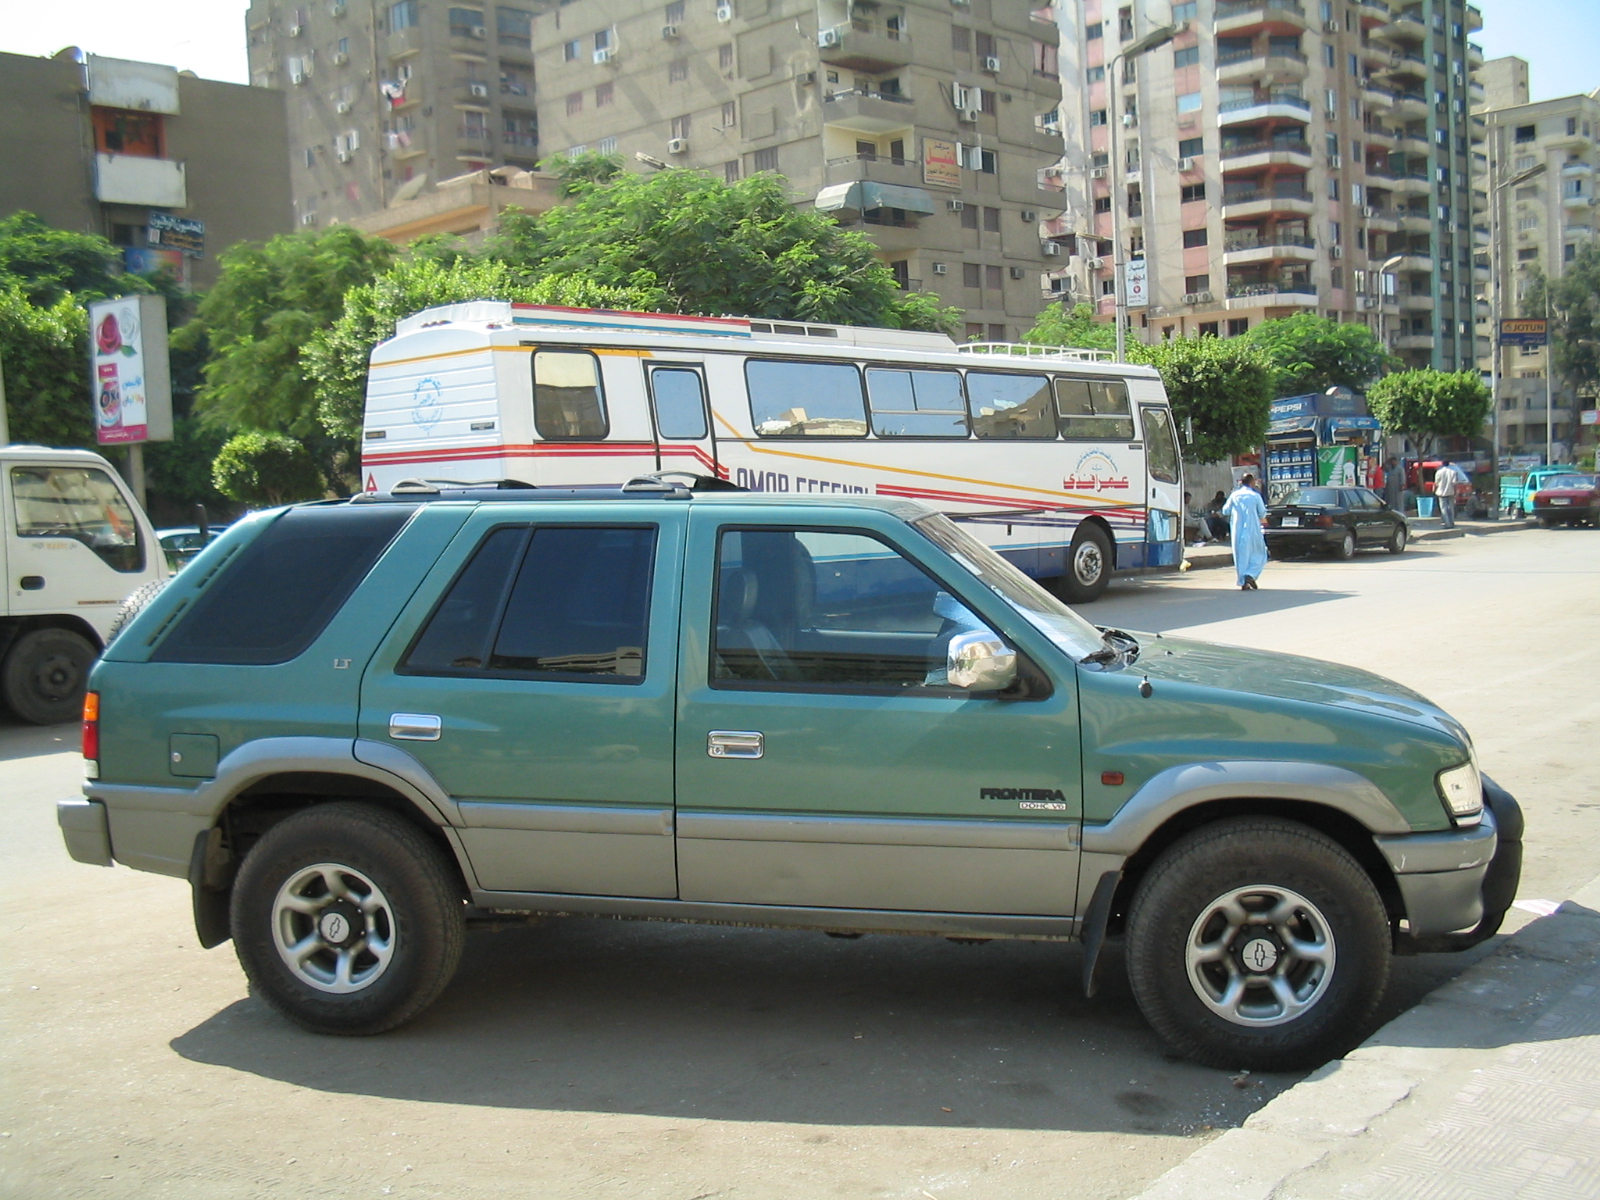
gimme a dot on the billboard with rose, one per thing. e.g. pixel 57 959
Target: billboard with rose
pixel 129 378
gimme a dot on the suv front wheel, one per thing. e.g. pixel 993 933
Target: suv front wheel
pixel 347 920
pixel 1257 942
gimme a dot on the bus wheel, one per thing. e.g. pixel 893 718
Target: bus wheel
pixel 1089 564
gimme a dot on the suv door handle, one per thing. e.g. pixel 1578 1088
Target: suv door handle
pixel 735 743
pixel 414 727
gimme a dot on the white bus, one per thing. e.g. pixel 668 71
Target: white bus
pixel 1066 464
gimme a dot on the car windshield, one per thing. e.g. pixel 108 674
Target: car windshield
pixel 1043 611
pixel 1568 481
pixel 1312 497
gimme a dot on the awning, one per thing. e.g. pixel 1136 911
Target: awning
pixel 861 196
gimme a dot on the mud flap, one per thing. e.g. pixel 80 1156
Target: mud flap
pixel 210 887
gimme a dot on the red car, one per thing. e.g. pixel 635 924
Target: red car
pixel 1567 500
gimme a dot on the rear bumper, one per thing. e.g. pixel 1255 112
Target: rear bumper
pixel 86 830
pixel 1316 538
pixel 1457 885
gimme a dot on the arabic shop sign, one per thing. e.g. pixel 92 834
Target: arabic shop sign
pixel 177 233
pixel 1524 331
pixel 939 165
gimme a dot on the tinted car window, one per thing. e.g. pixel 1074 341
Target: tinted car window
pixel 805 399
pixel 1313 497
pixel 275 595
pixel 810 608
pixel 457 636
pixel 1010 406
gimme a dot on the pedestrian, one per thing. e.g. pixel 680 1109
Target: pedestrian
pixel 1247 516
pixel 1216 523
pixel 1445 481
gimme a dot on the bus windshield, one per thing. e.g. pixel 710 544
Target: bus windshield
pixel 1043 611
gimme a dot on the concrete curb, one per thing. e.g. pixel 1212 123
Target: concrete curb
pixel 1453 1040
pixel 1208 557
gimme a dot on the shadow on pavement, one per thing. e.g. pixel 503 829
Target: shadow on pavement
pixel 19 740
pixel 754 1025
pixel 1181 607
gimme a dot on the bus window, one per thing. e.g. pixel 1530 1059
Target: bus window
pixel 805 399
pixel 916 403
pixel 567 400
pixel 1161 448
pixel 1094 410
pixel 680 406
pixel 1010 406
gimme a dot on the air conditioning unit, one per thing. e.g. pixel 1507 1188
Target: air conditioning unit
pixel 1330 27
pixel 1053 172
pixel 337 8
pixel 1097 173
pixel 478 89
pixel 343 106
pixel 604 56
pixel 296 30
pixel 940 269
pixel 1335 251
pixel 806 78
pixel 677 145
pixel 1050 249
pixel 1369 213
pixel 1016 272
pixel 724 13
pixel 991 64
pixel 344 156
pixel 969 116
pixel 828 37
pixel 1335 161
pixel 297 77
pixel 479 32
pixel 1186 164
pixel 1029 217
pixel 1095 264
pixel 668 32
pixel 955 205
pixel 1197 298
pixel 340 59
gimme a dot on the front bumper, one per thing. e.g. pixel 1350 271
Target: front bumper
pixel 1457 885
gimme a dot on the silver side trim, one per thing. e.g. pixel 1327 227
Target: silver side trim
pixel 1029 928
pixel 565 818
pixel 1184 786
pixel 878 831
pixel 1449 850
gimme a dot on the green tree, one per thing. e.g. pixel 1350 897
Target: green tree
pixel 1428 404
pixel 266 469
pixel 1061 326
pixel 686 242
pixel 48 264
pixel 44 352
pixel 269 301
pixel 336 357
pixel 1311 354
pixel 1222 389
pixel 1574 307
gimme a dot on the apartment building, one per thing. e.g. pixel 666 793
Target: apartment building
pixel 927 124
pixel 1278 156
pixel 388 98
pixel 171 168
pixel 1539 224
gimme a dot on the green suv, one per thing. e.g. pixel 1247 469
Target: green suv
pixel 357 727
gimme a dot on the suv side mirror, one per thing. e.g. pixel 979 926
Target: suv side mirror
pixel 980 662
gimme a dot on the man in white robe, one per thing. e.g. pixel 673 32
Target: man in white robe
pixel 1247 514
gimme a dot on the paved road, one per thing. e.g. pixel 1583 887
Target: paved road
pixel 591 1058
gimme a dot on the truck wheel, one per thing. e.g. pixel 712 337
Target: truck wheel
pixel 1259 943
pixel 45 674
pixel 347 920
pixel 1089 566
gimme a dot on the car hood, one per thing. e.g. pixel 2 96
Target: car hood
pixel 1270 675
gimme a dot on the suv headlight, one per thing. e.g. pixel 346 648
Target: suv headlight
pixel 1462 792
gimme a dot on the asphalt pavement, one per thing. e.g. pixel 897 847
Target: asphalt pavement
pixel 590 1058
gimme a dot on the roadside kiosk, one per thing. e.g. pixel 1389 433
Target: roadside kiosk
pixel 1320 438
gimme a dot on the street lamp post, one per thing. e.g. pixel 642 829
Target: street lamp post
pixel 1496 306
pixel 1383 332
pixel 1119 258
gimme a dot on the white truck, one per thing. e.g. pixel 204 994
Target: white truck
pixel 76 545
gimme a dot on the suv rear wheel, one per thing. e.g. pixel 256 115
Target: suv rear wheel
pixel 1257 942
pixel 347 920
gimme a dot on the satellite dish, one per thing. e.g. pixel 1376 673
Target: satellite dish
pixel 409 189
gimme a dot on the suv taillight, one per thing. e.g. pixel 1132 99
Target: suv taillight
pixel 91 734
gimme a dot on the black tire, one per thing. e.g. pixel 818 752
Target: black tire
pixel 135 604
pixel 1185 885
pixel 1346 548
pixel 1090 561
pixel 1397 540
pixel 421 919
pixel 45 674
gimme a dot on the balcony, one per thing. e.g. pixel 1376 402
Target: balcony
pixel 1480 235
pixel 1256 202
pixel 1253 156
pixel 1411 185
pixel 867 112
pixel 1578 231
pixel 1277 106
pixel 1474 19
pixel 1403 67
pixel 1575 200
pixel 404 43
pixel 1242 249
pixel 1289 292
pixel 874 168
pixel 1248 66
pixel 132 179
pixel 1406 27
pixel 1414 220
pixel 1414 341
pixel 1374 54
pixel 1412 262
pixel 1376 97
pixel 1577 169
pixel 1381 220
pixel 1412 143
pixel 1374 13
pixel 1416 302
pixel 861 45
pixel 1381 136
pixel 1235 17
pixel 1410 106
pixel 1575 139
pixel 472 93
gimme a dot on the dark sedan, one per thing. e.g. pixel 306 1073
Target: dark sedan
pixel 1336 520
pixel 1567 500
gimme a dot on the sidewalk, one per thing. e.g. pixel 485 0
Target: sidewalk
pixel 1490 1088
pixel 1423 529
